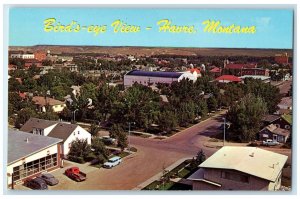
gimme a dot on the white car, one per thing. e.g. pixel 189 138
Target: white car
pixel 270 142
pixel 114 161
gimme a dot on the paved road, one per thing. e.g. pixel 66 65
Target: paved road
pixel 153 155
pixel 285 87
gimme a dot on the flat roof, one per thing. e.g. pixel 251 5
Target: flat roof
pixel 251 160
pixel 261 77
pixel 18 148
pixel 154 74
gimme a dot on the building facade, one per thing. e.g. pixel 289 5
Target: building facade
pixel 29 155
pixel 240 168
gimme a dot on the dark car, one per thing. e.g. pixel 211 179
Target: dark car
pixel 36 183
pixel 49 179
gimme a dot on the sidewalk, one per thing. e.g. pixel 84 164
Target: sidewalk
pixel 158 176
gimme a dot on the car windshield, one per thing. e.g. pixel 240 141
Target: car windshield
pixel 113 160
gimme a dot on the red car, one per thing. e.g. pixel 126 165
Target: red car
pixel 75 174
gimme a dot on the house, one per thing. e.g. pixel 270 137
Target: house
pixel 228 78
pixel 286 103
pixel 29 155
pixel 42 102
pixel 282 58
pixel 22 55
pixel 65 131
pixel 240 168
pixel 148 78
pixel 284 121
pixel 275 133
pixel 195 71
pixel 216 71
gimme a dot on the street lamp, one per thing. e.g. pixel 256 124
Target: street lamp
pixel 74 114
pixel 224 130
pixel 129 124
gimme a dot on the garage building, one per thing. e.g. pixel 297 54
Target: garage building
pixel 29 155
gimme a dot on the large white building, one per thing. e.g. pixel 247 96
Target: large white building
pixel 148 78
pixel 65 131
pixel 29 155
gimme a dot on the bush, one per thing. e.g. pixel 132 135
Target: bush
pixel 76 159
pixel 90 157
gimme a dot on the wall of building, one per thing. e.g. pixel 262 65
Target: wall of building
pixel 129 80
pixel 43 153
pixel 78 133
pixel 58 108
pixel 255 183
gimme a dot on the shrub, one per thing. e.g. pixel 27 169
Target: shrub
pixel 76 159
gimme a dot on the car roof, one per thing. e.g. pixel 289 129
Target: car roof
pixel 39 180
pixel 48 175
pixel 115 158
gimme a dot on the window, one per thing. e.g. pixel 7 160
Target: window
pixel 287 127
pixel 78 132
pixel 234 176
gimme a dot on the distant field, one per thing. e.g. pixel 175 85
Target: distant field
pixel 147 51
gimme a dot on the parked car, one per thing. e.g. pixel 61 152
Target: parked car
pixel 114 161
pixel 75 174
pixel 49 179
pixel 36 183
pixel 270 142
pixel 108 140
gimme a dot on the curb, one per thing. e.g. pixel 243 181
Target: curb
pixel 158 175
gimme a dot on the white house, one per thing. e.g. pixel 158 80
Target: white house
pixel 65 131
pixel 29 155
pixel 22 55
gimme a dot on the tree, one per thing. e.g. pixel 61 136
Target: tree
pixel 79 150
pixel 99 148
pixel 24 115
pixel 201 157
pixel 212 103
pixel 118 133
pixel 167 120
pixel 245 117
pixel 186 113
pixel 94 128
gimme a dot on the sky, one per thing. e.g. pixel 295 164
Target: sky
pixel 274 27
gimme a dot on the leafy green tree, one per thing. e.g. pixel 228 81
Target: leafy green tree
pixel 245 117
pixel 212 103
pixel 118 133
pixel 99 148
pixel 201 108
pixel 201 157
pixel 94 128
pixel 24 115
pixel 48 115
pixel 79 149
pixel 167 120
pixel 186 113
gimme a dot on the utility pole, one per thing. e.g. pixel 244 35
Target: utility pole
pixel 224 130
pixel 129 123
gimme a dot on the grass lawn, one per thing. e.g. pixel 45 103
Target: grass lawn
pixel 167 186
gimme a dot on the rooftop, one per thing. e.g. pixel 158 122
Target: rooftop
pixel 276 130
pixel 230 78
pixel 40 100
pixel 261 77
pixel 251 160
pixel 154 74
pixel 19 148
pixel 288 118
pixel 62 130
pixel 37 123
pixel 270 118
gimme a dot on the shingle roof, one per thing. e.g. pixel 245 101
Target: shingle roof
pixel 270 118
pixel 62 130
pixel 231 78
pixel 18 148
pixel 154 74
pixel 251 160
pixel 276 130
pixel 37 123
pixel 39 100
